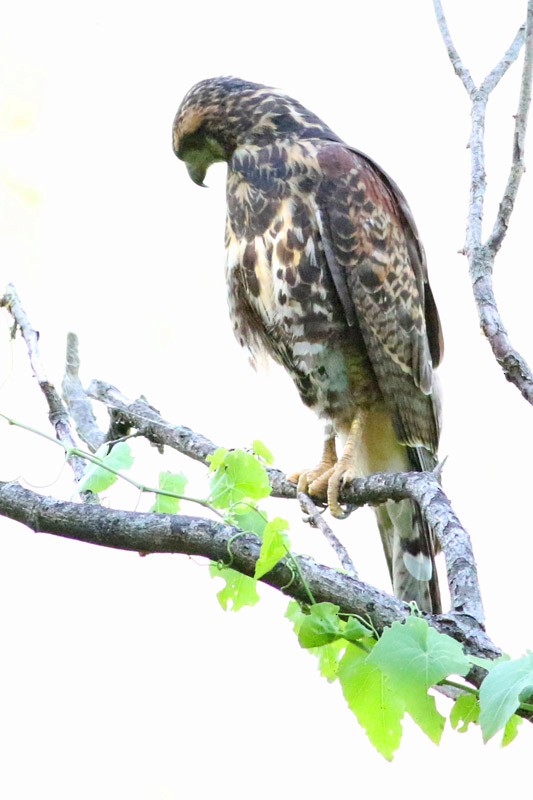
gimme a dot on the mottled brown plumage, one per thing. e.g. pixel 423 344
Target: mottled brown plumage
pixel 327 275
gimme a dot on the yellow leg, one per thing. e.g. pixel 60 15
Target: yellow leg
pixel 346 468
pixel 315 481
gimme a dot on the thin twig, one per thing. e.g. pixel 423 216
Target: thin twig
pixel 490 82
pixel 57 413
pixel 316 519
pixel 460 70
pixel 518 164
pixel 148 421
pixel 76 399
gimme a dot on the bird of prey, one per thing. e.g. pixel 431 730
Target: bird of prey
pixel 327 275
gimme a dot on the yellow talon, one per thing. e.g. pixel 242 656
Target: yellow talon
pixel 315 481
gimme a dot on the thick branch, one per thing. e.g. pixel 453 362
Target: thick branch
pixel 168 533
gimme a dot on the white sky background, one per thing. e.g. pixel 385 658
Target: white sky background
pixel 121 677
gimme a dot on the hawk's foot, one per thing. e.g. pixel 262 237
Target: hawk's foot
pixel 345 470
pixel 315 481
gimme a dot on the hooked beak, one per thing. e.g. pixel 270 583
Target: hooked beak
pixel 196 172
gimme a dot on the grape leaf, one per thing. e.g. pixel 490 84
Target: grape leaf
pixel 501 691
pixel 414 656
pixel 329 656
pixel 355 630
pixel 174 482
pixel 511 730
pixel 295 614
pixel 239 591
pixel 487 663
pixel 378 708
pixel 238 475
pixel 215 459
pixel 321 626
pixel 465 710
pixel 262 451
pixel 248 518
pixel 274 547
pixel 96 478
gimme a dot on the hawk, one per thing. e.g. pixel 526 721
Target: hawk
pixel 327 275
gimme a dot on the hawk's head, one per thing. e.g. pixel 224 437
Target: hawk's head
pixel 219 114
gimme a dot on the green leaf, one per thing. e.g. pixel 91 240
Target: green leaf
pixel 355 630
pixel 329 656
pixel 501 691
pixel 97 478
pixel 239 591
pixel 487 663
pixel 295 614
pixel 511 730
pixel 321 626
pixel 262 451
pixel 248 518
pixel 465 710
pixel 216 459
pixel 274 547
pixel 370 696
pixel 174 482
pixel 238 476
pixel 414 657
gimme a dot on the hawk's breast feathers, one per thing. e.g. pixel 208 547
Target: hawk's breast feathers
pixel 333 280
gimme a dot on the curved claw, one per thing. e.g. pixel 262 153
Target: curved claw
pixel 340 476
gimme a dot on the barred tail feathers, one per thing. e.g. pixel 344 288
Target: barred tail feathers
pixel 407 543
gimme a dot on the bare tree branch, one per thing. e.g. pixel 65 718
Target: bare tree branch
pixel 314 517
pixel 481 255
pixel 518 165
pixel 76 398
pixel 511 54
pixel 423 488
pixel 139 414
pixel 173 533
pixel 57 413
pixel 460 70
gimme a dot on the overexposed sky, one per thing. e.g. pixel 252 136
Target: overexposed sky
pixel 121 677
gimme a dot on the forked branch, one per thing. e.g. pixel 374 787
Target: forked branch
pixel 481 254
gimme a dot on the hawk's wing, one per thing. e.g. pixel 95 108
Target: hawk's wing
pixel 378 267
